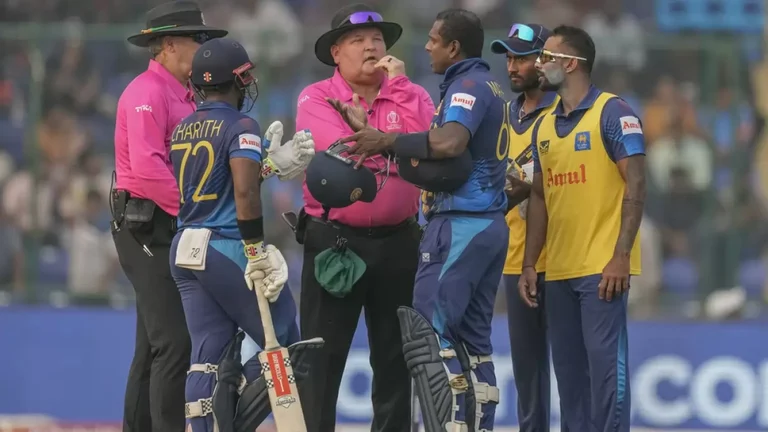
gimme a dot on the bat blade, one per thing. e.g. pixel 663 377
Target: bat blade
pixel 283 393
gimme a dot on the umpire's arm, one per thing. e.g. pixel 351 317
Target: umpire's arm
pixel 146 121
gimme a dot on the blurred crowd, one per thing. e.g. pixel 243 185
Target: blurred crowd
pixel 705 225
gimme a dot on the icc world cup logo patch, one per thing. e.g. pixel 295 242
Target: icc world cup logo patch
pixel 207 77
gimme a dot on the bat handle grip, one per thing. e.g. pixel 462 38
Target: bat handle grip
pixel 270 340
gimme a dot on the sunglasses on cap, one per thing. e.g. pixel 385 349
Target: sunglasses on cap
pixel 362 18
pixel 547 56
pixel 524 33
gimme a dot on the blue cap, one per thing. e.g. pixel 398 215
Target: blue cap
pixel 219 61
pixel 523 39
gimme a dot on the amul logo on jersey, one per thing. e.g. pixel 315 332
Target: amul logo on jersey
pixel 568 177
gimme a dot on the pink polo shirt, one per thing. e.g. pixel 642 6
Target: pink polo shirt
pixel 402 107
pixel 148 110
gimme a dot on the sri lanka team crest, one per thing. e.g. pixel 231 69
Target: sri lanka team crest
pixel 583 141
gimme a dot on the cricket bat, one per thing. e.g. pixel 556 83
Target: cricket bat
pixel 278 374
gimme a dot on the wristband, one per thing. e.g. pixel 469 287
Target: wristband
pixel 531 266
pixel 268 168
pixel 251 229
pixel 254 251
pixel 412 145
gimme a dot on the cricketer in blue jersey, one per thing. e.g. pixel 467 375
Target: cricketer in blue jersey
pixel 464 245
pixel 218 257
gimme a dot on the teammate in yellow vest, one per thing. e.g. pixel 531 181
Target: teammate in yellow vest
pixel 586 203
pixel 527 326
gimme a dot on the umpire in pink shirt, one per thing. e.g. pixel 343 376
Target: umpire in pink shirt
pixel 384 232
pixel 145 202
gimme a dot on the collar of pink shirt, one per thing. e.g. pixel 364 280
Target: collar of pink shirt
pixel 183 92
pixel 344 91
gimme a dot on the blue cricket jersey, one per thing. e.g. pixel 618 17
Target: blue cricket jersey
pixel 201 147
pixel 470 96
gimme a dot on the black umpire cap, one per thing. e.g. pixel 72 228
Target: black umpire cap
pixel 437 175
pixel 219 61
pixel 335 183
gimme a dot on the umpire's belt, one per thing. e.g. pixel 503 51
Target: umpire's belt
pixel 373 232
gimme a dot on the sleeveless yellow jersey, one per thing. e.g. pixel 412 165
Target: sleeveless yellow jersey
pixel 583 191
pixel 519 143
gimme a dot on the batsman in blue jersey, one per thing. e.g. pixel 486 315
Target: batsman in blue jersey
pixel 447 339
pixel 218 257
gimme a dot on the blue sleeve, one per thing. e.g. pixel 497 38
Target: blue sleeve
pixel 535 145
pixel 245 140
pixel 466 102
pixel 622 130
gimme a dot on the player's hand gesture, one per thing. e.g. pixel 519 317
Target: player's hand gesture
pixel 526 287
pixel 368 142
pixel 273 135
pixel 287 160
pixel 353 114
pixel 615 280
pixel 392 65
pixel 266 269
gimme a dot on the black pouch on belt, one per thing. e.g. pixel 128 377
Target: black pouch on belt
pixel 138 216
pixel 298 224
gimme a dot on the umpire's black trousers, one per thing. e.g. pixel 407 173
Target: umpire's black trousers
pixel 154 395
pixel 391 255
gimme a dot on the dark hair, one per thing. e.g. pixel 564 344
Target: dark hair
pixel 578 40
pixel 464 27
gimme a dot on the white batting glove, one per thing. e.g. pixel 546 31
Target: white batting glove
pixel 289 160
pixel 273 135
pixel 266 269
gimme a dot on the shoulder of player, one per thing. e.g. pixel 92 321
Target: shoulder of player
pixel 617 111
pixel 464 92
pixel 242 124
pixel 474 83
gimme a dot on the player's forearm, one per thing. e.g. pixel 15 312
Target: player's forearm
pixel 536 229
pixel 246 175
pixel 444 142
pixel 631 208
pixel 517 196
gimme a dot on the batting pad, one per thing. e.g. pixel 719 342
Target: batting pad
pixel 438 389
